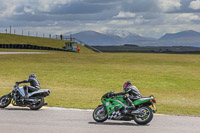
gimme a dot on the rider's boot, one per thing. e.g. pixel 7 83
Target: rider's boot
pixel 26 95
pixel 131 108
pixel 131 105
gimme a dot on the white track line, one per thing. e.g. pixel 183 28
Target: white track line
pixel 73 109
pixel 68 109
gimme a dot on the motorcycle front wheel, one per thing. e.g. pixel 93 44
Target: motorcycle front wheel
pixel 100 114
pixel 145 116
pixel 38 104
pixel 5 101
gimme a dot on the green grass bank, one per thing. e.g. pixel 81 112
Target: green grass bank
pixel 78 80
pixel 19 39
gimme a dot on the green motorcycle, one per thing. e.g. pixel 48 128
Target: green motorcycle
pixel 115 108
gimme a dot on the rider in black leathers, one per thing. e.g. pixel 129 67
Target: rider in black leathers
pixel 34 84
pixel 132 91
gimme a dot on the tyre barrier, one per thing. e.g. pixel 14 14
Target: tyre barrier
pixel 30 46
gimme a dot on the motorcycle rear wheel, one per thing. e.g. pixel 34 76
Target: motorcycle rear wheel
pixel 38 105
pixel 145 116
pixel 100 114
pixel 5 101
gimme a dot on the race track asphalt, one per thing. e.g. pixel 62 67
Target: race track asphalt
pixel 56 120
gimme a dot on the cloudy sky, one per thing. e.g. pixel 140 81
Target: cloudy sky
pixel 151 18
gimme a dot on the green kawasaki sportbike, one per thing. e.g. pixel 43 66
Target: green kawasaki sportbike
pixel 115 108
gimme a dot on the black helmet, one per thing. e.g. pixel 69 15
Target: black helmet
pixel 32 75
pixel 126 84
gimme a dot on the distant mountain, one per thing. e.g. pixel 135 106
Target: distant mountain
pixel 96 38
pixel 184 38
pixel 179 35
pixel 135 38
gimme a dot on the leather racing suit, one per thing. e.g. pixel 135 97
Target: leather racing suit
pixel 134 94
pixel 34 85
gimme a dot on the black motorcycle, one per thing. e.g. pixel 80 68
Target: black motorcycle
pixel 34 101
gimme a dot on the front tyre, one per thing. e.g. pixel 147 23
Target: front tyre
pixel 5 101
pixel 100 114
pixel 38 104
pixel 144 117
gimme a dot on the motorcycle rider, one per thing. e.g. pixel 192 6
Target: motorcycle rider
pixel 34 84
pixel 133 94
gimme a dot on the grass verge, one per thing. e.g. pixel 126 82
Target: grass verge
pixel 78 80
pixel 19 39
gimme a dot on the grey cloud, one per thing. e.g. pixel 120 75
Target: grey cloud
pixel 152 15
pixel 20 23
pixel 140 6
pixel 78 8
pixel 185 8
pixel 2 8
pixel 103 1
pixel 101 16
pixel 68 12
pixel 29 17
pixel 97 10
pixel 196 21
pixel 98 15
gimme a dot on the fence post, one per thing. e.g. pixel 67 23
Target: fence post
pixel 70 37
pixel 10 29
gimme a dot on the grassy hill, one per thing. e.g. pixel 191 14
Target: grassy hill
pixel 19 39
pixel 79 80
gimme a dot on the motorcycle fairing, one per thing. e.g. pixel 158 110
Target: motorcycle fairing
pixel 21 91
pixel 142 100
pixel 45 91
pixel 112 104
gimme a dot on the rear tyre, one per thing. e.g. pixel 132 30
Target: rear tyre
pixel 5 101
pixel 38 104
pixel 145 116
pixel 100 114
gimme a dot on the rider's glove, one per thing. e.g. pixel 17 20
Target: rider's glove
pixel 112 94
pixel 109 95
pixel 17 83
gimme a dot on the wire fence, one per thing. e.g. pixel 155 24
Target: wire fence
pixel 12 30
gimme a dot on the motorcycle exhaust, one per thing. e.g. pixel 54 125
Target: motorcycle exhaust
pixel 45 104
pixel 135 112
